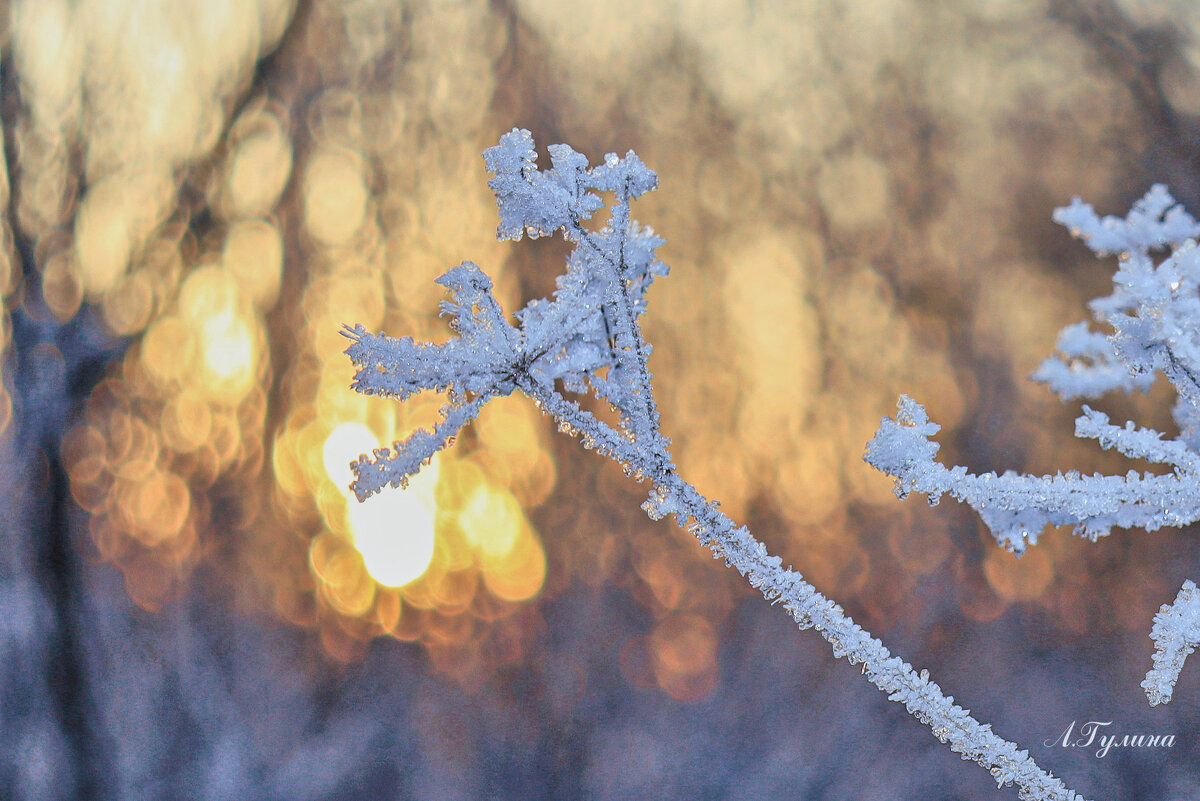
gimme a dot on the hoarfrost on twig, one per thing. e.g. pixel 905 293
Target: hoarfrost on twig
pixel 588 338
pixel 1154 315
pixel 1176 632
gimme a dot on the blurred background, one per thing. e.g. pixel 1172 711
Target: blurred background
pixel 856 198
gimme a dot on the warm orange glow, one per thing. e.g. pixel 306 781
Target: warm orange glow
pixel 116 216
pixel 228 349
pixel 217 322
pixel 253 255
pixel 258 167
pixel 1023 579
pixel 344 579
pixel 166 351
pixel 683 652
pixel 492 521
pixel 519 574
pixel 159 506
pixel 335 198
pixel 186 421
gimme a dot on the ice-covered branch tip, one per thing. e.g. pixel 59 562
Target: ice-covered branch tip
pixel 588 338
pixel 1154 317
pixel 1176 633
pixel 1155 221
pixel 1016 508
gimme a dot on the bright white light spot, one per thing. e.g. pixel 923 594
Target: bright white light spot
pixel 343 445
pixel 228 348
pixel 393 530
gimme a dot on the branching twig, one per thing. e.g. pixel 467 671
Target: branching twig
pixel 567 340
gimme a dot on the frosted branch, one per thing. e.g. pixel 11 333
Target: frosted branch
pixel 1087 366
pixel 1154 313
pixel 1016 508
pixel 1176 633
pixel 1155 221
pixel 923 699
pixel 588 337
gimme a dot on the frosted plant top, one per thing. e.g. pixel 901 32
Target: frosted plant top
pixel 584 336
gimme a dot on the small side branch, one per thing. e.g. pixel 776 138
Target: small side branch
pixel 1176 632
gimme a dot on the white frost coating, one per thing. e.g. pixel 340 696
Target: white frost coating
pixel 1154 314
pixel 588 337
pixel 1176 632
pixel 1155 221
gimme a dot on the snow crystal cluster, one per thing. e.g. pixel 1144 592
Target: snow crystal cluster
pixel 1153 318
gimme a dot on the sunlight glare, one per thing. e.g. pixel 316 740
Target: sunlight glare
pixel 394 531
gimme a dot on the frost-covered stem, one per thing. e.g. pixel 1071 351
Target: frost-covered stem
pixel 578 336
pixel 1183 379
pixel 1176 632
pixel 574 420
pixel 922 698
pixel 625 319
pixel 370 474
